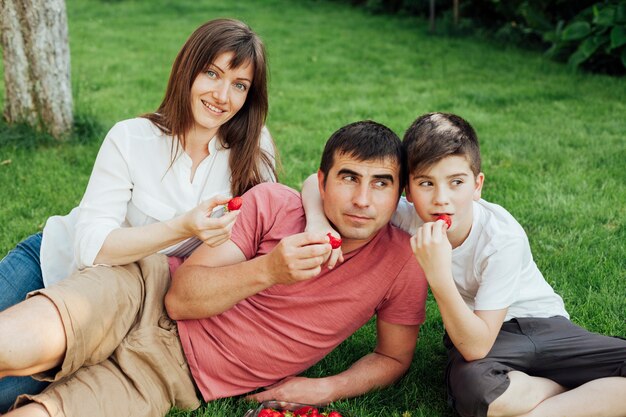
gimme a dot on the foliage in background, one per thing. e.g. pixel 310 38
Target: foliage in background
pixel 587 34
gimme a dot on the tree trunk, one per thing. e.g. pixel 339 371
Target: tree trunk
pixel 432 16
pixel 36 64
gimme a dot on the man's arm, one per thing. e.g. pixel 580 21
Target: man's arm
pixel 389 361
pixel 214 279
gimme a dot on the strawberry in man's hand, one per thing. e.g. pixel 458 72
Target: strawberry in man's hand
pixel 335 242
pixel 445 218
pixel 234 203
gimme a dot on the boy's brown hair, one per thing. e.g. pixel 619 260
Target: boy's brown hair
pixel 434 136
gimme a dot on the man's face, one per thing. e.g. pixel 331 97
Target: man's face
pixel 359 197
pixel 448 187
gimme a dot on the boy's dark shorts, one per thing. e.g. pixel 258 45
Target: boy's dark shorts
pixel 552 348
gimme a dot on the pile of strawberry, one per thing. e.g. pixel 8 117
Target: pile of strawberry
pixel 306 411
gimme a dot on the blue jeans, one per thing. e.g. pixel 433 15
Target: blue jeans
pixel 20 273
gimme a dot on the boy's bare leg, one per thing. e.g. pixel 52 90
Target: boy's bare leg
pixel 33 338
pixel 29 410
pixel 599 398
pixel 524 393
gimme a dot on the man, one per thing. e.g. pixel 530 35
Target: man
pixel 251 313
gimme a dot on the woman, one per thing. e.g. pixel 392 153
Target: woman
pixel 158 180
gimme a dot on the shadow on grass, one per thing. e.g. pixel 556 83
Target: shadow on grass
pixel 86 129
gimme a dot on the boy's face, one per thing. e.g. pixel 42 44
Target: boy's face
pixel 359 197
pixel 447 187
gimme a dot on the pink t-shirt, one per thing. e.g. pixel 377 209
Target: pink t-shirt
pixel 285 329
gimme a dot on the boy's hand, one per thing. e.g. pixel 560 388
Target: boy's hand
pixel 298 257
pixel 433 250
pixel 336 255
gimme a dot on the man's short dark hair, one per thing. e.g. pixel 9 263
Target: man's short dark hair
pixel 434 136
pixel 365 141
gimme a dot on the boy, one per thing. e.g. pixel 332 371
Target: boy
pixel 511 349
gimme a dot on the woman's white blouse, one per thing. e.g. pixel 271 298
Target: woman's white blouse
pixel 134 183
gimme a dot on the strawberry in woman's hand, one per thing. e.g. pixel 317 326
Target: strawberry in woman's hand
pixel 335 242
pixel 445 218
pixel 234 203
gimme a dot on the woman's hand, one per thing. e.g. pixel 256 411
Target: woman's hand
pixel 210 228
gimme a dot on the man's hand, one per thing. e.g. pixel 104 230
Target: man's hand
pixel 298 257
pixel 432 250
pixel 296 389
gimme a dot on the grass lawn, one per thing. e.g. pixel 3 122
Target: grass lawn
pixel 553 141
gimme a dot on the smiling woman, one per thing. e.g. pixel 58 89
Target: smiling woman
pixel 217 94
pixel 158 178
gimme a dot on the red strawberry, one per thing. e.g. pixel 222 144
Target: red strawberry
pixel 234 203
pixel 446 219
pixel 266 412
pixel 335 242
pixel 334 414
pixel 307 410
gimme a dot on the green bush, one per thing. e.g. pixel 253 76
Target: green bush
pixel 588 34
pixel 594 39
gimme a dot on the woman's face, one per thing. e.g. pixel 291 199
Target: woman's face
pixel 218 93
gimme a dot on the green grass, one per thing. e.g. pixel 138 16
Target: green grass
pixel 553 141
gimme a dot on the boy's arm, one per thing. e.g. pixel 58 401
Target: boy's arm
pixel 214 279
pixel 389 361
pixel 472 332
pixel 315 218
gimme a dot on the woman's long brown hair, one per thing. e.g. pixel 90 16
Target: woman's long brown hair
pixel 249 164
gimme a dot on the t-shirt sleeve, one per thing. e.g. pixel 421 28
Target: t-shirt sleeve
pixel 405 217
pixel 405 302
pixel 500 275
pixel 270 212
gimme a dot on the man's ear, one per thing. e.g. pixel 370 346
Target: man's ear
pixel 320 182
pixel 478 186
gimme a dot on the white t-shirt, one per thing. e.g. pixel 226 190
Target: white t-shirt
pixel 494 267
pixel 132 184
